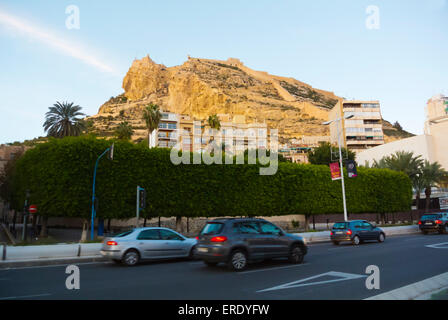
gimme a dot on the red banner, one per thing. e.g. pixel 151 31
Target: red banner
pixel 335 171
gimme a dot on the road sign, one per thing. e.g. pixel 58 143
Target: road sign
pixel 32 209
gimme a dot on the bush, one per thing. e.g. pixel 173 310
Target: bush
pixel 59 174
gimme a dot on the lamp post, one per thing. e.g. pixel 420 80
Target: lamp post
pixel 340 159
pixel 111 157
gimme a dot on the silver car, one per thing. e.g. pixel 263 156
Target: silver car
pixel 147 243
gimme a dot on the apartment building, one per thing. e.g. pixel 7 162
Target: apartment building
pixel 363 130
pixel 166 135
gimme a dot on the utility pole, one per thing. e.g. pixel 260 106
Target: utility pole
pixel 25 215
pixel 340 159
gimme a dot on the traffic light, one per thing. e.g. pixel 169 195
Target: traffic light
pixel 142 198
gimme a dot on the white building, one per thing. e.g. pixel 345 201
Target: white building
pixel 432 145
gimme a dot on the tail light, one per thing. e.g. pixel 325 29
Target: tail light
pixel 331 233
pixel 438 221
pixel 419 222
pixel 219 239
pixel 349 232
pixel 197 238
pixel 111 243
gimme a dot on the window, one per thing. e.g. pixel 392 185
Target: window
pixel 366 225
pixel 269 228
pixel 249 227
pixel 212 228
pixel 172 125
pixel 340 225
pixel 169 235
pixel 151 234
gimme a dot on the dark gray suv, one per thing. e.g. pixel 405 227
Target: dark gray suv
pixel 239 241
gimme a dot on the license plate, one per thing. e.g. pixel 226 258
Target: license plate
pixel 202 249
pixel 338 232
pixel 428 223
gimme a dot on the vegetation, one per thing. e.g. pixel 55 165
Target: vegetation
pixel 124 131
pixel 59 176
pixel 322 154
pixel 61 120
pixel 213 122
pixel 152 117
pixel 423 174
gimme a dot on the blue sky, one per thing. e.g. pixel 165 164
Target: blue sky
pixel 324 43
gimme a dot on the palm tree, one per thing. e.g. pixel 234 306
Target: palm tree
pixel 152 117
pixel 432 175
pixel 213 122
pixel 61 120
pixel 405 162
pixel 124 131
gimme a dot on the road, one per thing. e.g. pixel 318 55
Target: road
pixel 329 272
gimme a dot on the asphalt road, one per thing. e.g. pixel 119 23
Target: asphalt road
pixel 329 272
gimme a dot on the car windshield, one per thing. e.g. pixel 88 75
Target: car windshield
pixel 430 216
pixel 340 225
pixel 212 228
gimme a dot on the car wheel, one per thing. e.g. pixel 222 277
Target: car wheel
pixel 296 255
pixel 336 243
pixel 356 241
pixel 131 258
pixel 210 264
pixel 238 260
pixel 381 237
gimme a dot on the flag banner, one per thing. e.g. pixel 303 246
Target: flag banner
pixel 351 169
pixel 335 171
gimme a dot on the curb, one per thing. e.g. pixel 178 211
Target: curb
pixel 421 290
pixel 49 262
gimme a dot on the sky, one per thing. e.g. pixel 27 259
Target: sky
pixel 394 51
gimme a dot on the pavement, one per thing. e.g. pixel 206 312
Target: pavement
pixel 328 272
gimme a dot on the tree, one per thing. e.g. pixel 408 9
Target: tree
pixel 322 154
pixel 61 120
pixel 152 117
pixel 432 175
pixel 397 126
pixel 403 161
pixel 124 131
pixel 213 122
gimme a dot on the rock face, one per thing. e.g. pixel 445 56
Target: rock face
pixel 202 87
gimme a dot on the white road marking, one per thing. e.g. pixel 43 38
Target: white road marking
pixel 24 297
pixel 300 283
pixel 275 268
pixel 443 245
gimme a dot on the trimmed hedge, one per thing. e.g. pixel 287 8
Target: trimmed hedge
pixel 59 175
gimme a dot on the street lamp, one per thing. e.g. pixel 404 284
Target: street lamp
pixel 111 157
pixel 337 120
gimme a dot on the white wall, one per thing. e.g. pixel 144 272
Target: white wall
pixel 420 145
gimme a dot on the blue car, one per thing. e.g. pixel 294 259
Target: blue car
pixel 356 231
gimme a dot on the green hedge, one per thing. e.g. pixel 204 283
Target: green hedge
pixel 59 175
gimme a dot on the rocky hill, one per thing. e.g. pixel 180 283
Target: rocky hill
pixel 202 87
